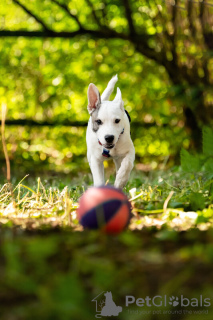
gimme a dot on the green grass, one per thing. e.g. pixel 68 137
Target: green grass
pixel 172 199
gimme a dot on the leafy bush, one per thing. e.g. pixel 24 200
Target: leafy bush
pixel 200 162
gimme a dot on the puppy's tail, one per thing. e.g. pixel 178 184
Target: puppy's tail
pixel 110 87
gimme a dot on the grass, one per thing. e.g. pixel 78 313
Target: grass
pixel 172 199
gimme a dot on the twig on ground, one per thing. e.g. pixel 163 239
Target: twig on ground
pixel 167 201
pixel 4 111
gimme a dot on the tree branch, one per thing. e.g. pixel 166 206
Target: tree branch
pixel 129 17
pixel 31 14
pixel 201 15
pixel 65 8
pixel 104 13
pixel 202 24
pixel 66 123
pixel 174 35
pixel 144 49
pixel 106 34
pixel 94 13
pixel 190 18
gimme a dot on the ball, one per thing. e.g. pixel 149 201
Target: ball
pixel 105 208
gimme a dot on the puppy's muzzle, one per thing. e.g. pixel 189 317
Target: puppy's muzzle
pixel 109 138
pixel 109 141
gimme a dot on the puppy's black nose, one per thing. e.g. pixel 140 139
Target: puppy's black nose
pixel 109 138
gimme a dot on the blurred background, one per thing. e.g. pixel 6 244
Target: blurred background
pixel 51 50
pixel 162 51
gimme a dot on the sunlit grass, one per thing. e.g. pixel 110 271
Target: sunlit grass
pixel 34 208
pixel 167 200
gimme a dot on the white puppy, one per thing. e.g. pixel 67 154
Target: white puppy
pixel 108 135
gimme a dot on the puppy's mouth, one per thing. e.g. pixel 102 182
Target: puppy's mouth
pixel 108 146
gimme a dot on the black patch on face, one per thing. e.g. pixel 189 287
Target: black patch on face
pixel 94 117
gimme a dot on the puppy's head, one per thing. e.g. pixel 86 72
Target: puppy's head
pixel 107 116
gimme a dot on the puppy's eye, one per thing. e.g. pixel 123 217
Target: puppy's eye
pixel 99 122
pixel 117 120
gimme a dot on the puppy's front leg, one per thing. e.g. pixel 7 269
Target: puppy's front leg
pixel 124 171
pixel 97 168
pixel 117 163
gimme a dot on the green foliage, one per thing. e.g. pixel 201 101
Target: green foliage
pixel 189 163
pixel 53 86
pixel 47 78
pixel 208 165
pixel 192 163
pixel 208 141
pixel 197 201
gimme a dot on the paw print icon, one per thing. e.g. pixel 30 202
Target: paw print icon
pixel 173 301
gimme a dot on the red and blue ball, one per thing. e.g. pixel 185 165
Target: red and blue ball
pixel 105 208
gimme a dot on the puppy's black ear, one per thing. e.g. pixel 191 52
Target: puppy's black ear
pixel 94 99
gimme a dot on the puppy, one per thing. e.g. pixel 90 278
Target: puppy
pixel 108 135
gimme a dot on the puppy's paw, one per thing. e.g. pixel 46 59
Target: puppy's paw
pixel 119 184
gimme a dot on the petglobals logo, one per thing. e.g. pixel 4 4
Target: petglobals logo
pixel 105 306
pixel 159 304
pixel 164 301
